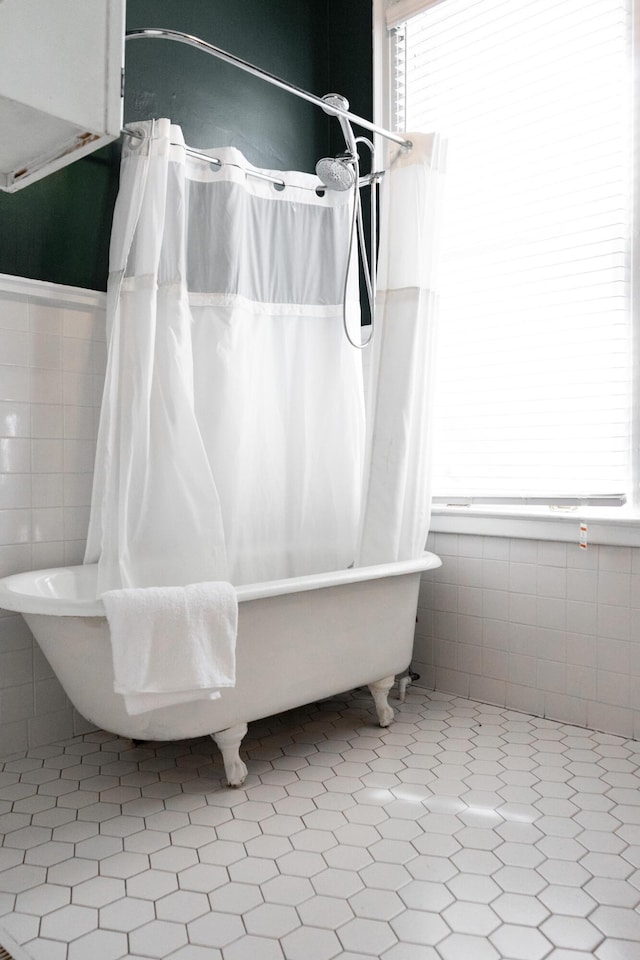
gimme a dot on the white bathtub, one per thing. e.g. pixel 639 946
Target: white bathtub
pixel 299 640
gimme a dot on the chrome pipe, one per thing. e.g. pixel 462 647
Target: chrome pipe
pixel 371 178
pixel 199 155
pixel 191 41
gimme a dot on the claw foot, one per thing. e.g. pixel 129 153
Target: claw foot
pixel 380 692
pixel 228 742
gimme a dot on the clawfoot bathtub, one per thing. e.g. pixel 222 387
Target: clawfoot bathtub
pixel 299 640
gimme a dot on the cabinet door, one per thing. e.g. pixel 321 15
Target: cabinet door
pixel 60 83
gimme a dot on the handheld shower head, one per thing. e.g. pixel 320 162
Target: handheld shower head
pixel 339 173
pixel 343 173
pixel 335 173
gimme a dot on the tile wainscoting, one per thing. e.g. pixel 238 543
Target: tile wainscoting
pixel 537 626
pixel 52 361
pixel 534 625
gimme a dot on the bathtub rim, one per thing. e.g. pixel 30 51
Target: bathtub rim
pixel 16 596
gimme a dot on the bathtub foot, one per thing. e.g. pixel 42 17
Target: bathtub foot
pixel 228 742
pixel 380 692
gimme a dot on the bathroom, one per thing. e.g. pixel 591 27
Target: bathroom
pixel 518 620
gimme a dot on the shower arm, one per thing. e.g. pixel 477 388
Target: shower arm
pixel 191 41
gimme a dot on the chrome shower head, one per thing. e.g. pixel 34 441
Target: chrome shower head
pixel 339 173
pixel 335 173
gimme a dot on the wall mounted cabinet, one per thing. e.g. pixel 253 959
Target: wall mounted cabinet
pixel 61 68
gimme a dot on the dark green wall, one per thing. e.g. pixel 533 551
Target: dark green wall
pixel 58 229
pixel 215 103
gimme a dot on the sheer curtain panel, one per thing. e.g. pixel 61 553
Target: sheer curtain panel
pixel 231 438
pixel 397 490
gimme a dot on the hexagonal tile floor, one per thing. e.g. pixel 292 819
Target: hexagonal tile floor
pixel 461 832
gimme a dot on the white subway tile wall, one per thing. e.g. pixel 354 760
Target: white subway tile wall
pixel 537 626
pixel 52 361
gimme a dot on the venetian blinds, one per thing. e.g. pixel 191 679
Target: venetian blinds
pixel 534 362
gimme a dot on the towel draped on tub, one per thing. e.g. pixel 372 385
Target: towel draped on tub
pixel 172 645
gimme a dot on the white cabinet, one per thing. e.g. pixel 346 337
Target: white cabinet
pixel 61 64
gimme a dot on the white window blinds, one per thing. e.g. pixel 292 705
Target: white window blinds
pixel 535 358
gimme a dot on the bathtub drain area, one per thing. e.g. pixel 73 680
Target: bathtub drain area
pixel 462 830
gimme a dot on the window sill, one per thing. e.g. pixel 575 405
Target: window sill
pixel 614 527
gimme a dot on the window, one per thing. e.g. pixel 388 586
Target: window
pixel 535 359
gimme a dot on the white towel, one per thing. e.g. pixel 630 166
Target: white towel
pixel 172 644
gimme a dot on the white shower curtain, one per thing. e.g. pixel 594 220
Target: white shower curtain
pixel 397 481
pixel 233 440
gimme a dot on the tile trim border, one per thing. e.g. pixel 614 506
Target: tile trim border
pixel 44 291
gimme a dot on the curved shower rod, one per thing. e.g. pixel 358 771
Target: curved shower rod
pixel 191 41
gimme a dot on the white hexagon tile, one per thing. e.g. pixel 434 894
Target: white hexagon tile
pixel 461 832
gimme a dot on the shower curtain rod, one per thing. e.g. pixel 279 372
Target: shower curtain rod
pixel 134 134
pixel 191 41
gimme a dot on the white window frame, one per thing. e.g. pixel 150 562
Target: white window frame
pixel 618 526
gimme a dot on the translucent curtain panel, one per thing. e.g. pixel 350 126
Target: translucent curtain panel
pixel 232 429
pixel 397 484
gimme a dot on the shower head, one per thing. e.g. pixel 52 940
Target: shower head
pixel 339 173
pixel 335 173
